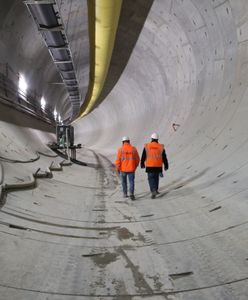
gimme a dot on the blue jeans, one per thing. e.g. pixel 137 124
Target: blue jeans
pixel 131 176
pixel 153 179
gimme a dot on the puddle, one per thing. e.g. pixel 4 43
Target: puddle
pixel 124 234
pixel 104 259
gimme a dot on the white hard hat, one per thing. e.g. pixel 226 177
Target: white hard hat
pixel 125 138
pixel 154 136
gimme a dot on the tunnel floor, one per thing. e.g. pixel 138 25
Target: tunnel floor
pixel 73 236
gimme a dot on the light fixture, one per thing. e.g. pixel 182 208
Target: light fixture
pixel 55 114
pixel 42 103
pixel 23 86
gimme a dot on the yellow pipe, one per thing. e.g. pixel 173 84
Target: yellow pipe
pixel 103 22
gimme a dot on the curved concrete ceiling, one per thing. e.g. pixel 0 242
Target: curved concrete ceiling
pixel 72 236
pixel 30 57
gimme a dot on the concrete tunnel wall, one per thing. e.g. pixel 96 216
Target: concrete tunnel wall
pixel 189 67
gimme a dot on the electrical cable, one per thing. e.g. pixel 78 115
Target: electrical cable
pixel 1 173
pixel 21 185
pixel 75 161
pixel 9 160
pixel 47 155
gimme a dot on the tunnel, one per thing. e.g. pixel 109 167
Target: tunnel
pixel 176 67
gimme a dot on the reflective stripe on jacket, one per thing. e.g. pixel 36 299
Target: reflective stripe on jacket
pixel 127 158
pixel 154 154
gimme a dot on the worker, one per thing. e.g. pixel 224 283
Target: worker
pixel 127 161
pixel 153 158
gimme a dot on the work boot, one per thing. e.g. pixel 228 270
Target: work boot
pixel 125 195
pixel 153 195
pixel 132 197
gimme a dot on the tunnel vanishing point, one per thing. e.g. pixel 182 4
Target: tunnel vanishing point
pixel 113 68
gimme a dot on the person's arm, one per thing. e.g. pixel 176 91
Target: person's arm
pixel 143 159
pixel 118 161
pixel 165 161
pixel 137 158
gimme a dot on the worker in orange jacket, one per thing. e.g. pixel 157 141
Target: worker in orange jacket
pixel 153 158
pixel 127 160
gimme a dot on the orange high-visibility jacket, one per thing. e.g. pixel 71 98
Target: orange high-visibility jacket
pixel 127 159
pixel 154 154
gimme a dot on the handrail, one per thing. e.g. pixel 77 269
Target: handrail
pixel 11 95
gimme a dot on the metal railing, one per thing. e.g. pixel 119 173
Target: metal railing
pixel 27 102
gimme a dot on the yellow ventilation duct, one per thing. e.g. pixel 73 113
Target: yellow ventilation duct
pixel 103 22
